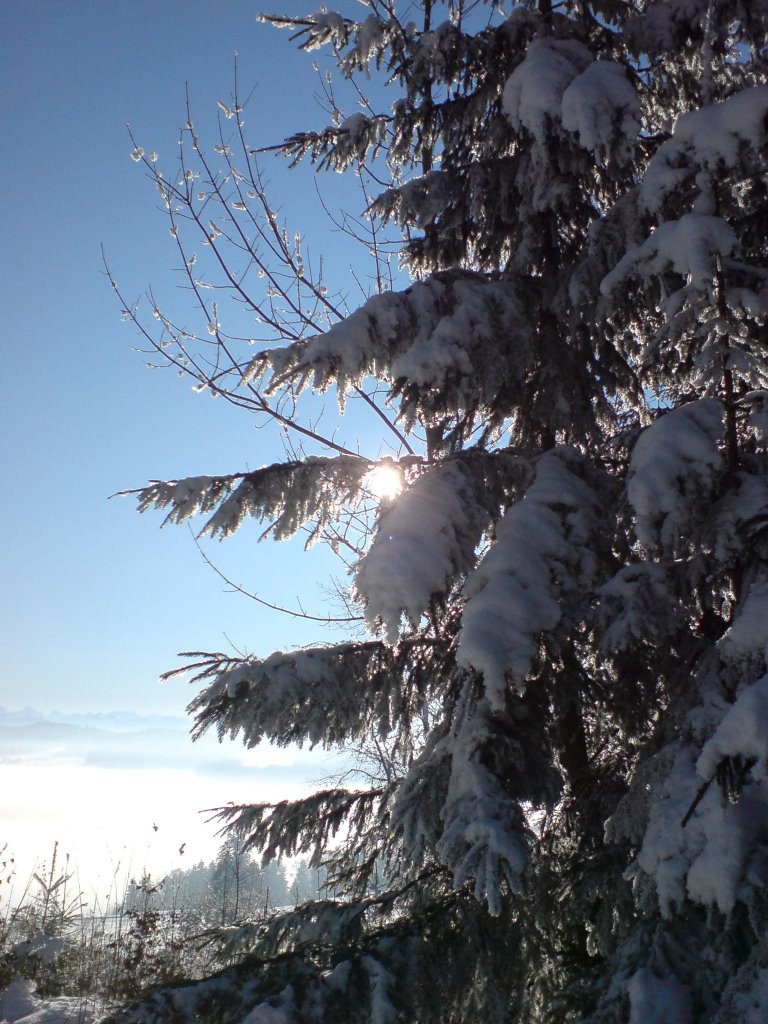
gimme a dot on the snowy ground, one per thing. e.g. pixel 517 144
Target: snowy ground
pixel 19 1003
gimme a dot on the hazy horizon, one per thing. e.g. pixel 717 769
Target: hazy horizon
pixel 129 791
pixel 97 601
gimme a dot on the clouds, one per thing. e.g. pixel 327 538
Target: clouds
pixel 141 743
pixel 98 785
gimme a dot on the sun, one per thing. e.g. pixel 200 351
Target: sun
pixel 385 481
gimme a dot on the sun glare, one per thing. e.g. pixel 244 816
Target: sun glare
pixel 385 481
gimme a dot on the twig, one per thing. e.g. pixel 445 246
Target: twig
pixel 327 619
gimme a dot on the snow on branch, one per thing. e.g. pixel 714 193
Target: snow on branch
pixel 705 856
pixel 636 607
pixel 742 733
pixel 558 84
pixel 673 467
pixel 692 246
pixel 740 517
pixel 294 827
pixel 452 805
pixel 541 559
pixel 416 811
pixel 314 30
pixel 484 837
pixel 719 139
pixel 695 843
pixel 533 94
pixel 451 342
pixel 601 106
pixel 289 494
pixel 293 982
pixel 355 140
pixel 322 695
pixel 742 651
pixel 426 539
pixel 188 497
pixel 320 923
pixel 652 998
pixel 420 201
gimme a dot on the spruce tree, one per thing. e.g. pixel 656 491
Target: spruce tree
pixel 567 603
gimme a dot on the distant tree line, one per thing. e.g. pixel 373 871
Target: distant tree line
pixel 231 888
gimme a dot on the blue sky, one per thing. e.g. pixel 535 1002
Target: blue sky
pixel 96 600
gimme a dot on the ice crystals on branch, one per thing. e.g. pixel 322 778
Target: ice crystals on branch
pixel 369 40
pixel 312 696
pixel 288 494
pixel 326 27
pixel 445 344
pixel 306 826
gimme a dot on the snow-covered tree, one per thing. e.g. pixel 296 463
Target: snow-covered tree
pixel 566 606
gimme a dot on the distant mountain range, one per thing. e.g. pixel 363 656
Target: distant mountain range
pixel 116 739
pixel 124 739
pixel 111 721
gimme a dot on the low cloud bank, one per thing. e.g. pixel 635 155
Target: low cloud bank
pixel 127 790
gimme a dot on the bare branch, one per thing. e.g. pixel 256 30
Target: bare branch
pixel 237 588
